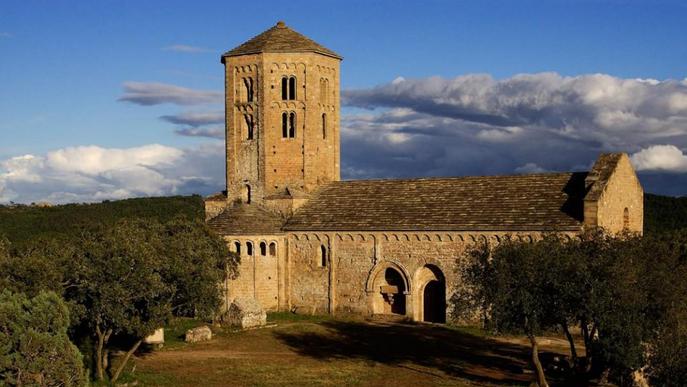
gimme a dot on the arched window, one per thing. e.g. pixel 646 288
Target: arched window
pixel 324 125
pixel 263 248
pixel 284 88
pixel 323 256
pixel 284 125
pixel 248 83
pixel 237 247
pixel 273 249
pixel 292 88
pixel 247 194
pixel 626 219
pixel 249 248
pixel 292 125
pixel 250 126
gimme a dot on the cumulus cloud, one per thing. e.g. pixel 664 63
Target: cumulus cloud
pixel 147 94
pixel 212 132
pixel 195 119
pixel 475 124
pixel 186 49
pixel 92 173
pixel 666 158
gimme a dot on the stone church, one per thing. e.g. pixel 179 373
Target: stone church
pixel 312 243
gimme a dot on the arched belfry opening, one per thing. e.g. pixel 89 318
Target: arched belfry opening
pixel 430 303
pixel 388 290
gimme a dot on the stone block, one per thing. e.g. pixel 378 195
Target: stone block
pixel 245 313
pixel 157 338
pixel 202 333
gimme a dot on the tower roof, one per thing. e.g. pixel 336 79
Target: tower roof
pixel 280 38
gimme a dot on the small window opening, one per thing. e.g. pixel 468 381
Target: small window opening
pixel 284 125
pixel 263 248
pixel 284 88
pixel 273 249
pixel 292 88
pixel 250 126
pixel 249 248
pixel 626 219
pixel 323 256
pixel 247 194
pixel 237 247
pixel 324 125
pixel 292 125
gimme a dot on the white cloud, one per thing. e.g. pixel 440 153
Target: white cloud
pixel 92 173
pixel 186 49
pixel 666 158
pixel 148 94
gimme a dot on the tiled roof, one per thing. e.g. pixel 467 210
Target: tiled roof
pixel 280 38
pixel 244 219
pixel 537 202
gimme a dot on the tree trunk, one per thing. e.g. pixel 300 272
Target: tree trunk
pixel 571 341
pixel 100 354
pixel 124 361
pixel 541 378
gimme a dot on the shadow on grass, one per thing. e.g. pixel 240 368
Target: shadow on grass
pixel 453 352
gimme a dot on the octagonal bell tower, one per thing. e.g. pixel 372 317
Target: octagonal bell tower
pixel 282 118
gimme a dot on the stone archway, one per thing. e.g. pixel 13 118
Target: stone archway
pixel 431 295
pixel 388 290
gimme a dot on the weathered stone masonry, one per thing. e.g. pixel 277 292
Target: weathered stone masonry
pixel 311 243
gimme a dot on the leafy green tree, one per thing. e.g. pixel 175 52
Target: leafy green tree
pixel 34 346
pixel 196 261
pixel 121 287
pixel 508 283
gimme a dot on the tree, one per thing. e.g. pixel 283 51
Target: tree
pixel 34 346
pixel 509 284
pixel 196 262
pixel 121 286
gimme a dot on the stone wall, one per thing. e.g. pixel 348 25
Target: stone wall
pixel 623 191
pixel 351 281
pixel 259 275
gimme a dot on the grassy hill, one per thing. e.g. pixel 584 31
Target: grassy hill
pixel 20 223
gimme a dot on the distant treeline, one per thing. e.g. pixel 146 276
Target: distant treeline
pixel 22 223
pixel 664 213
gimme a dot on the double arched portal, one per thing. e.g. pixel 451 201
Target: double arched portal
pixel 390 291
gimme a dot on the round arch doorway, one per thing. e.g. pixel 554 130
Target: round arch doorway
pixel 431 297
pixel 388 288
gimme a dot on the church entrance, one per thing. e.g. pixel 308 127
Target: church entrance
pixel 431 297
pixel 434 302
pixel 389 291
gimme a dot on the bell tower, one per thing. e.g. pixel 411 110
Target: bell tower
pixel 282 118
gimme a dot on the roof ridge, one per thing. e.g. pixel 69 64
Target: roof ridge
pixel 437 178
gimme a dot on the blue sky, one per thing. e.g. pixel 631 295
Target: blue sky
pixel 64 66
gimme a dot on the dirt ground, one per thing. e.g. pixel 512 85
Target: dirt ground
pixel 322 351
